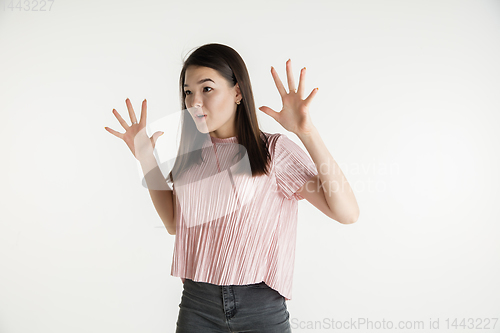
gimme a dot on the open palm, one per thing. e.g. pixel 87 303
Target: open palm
pixel 294 116
pixel 135 135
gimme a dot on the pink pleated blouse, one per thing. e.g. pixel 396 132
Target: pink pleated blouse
pixel 236 229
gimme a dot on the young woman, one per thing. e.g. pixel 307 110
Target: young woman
pixel 233 206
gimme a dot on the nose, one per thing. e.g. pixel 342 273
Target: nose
pixel 195 109
pixel 196 101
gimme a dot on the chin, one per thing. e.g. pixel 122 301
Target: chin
pixel 203 129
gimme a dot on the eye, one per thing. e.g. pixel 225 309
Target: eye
pixel 188 91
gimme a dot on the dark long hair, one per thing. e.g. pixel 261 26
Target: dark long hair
pixel 229 64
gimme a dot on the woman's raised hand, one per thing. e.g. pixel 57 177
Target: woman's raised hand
pixel 294 116
pixel 135 135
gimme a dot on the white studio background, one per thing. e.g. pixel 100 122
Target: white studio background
pixel 407 105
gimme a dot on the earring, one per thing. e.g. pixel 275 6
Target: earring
pixel 238 102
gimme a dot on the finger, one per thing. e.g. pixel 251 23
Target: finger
pixel 115 133
pixel 270 112
pixel 131 112
pixel 155 137
pixel 120 119
pixel 143 112
pixel 309 98
pixel 302 85
pixel 289 74
pixel 277 81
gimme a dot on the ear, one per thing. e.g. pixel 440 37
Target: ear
pixel 238 92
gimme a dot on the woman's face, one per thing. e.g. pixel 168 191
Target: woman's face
pixel 208 93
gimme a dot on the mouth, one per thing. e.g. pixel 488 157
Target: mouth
pixel 200 116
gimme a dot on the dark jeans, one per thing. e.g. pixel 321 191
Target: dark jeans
pixel 210 308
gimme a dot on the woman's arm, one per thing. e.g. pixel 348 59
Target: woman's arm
pixel 335 187
pixel 161 193
pixel 295 117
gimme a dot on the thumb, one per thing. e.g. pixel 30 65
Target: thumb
pixel 269 112
pixel 155 137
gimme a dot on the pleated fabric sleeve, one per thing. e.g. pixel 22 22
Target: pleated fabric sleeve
pixel 293 167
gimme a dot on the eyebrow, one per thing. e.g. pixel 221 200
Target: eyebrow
pixel 201 81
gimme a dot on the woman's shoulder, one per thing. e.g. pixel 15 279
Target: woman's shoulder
pixel 277 143
pixel 279 139
pixel 271 137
